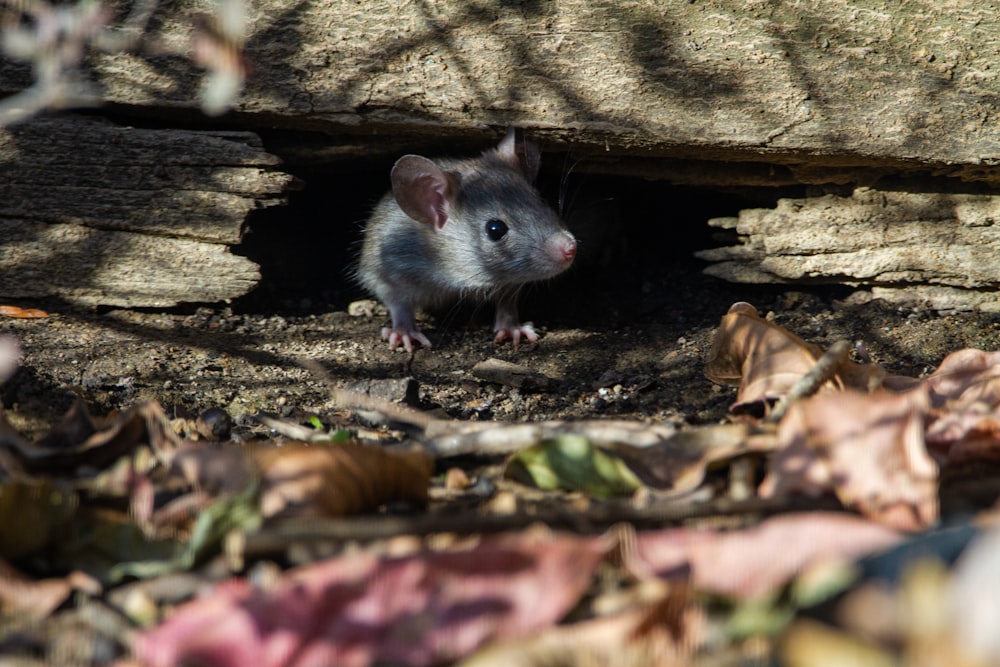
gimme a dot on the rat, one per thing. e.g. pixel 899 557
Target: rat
pixel 452 228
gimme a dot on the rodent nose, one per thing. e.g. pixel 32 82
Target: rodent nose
pixel 567 247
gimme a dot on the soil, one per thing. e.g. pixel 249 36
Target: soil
pixel 623 338
pixel 625 330
pixel 623 349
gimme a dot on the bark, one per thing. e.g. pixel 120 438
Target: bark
pixel 824 84
pixel 101 214
pixel 710 92
pixel 939 249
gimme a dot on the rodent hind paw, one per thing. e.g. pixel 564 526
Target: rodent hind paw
pixel 404 336
pixel 515 334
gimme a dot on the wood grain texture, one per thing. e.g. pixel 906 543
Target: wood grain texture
pixel 942 248
pixel 97 213
pixel 825 84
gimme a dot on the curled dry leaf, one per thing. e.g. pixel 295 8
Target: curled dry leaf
pixel 766 360
pixel 678 463
pixel 965 379
pixel 339 480
pixel 361 609
pixel 37 599
pixel 965 400
pixel 82 444
pixel 868 449
pixel 745 563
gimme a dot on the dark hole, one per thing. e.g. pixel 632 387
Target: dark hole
pixel 636 236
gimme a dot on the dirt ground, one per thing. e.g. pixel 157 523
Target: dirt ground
pixel 625 349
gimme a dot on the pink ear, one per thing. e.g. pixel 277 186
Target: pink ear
pixel 520 153
pixel 422 189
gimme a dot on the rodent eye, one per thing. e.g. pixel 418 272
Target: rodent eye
pixel 496 229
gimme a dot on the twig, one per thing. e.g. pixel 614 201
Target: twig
pixel 276 537
pixel 824 370
pixel 358 401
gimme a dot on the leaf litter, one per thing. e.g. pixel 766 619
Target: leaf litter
pixel 371 558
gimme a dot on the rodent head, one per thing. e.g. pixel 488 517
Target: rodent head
pixel 490 225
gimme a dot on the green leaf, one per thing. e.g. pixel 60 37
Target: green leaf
pixel 232 512
pixel 572 462
pixel 341 435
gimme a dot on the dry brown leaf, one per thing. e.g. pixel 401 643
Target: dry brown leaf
pixel 678 463
pixel 340 479
pixel 36 599
pixel 965 397
pixel 868 449
pixel 766 360
pixel 80 443
pixel 966 379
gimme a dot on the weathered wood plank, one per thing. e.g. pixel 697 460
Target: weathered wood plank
pixel 96 267
pixel 98 213
pixel 940 247
pixel 821 83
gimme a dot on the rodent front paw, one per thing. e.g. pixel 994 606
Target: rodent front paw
pixel 404 336
pixel 515 333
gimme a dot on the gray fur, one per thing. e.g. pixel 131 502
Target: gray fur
pixel 409 264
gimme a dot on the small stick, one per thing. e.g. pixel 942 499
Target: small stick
pixel 824 370
pixel 359 401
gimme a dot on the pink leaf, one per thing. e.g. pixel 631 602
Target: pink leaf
pixel 757 561
pixel 868 449
pixel 360 609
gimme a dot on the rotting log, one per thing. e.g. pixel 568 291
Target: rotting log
pixel 937 249
pixel 100 214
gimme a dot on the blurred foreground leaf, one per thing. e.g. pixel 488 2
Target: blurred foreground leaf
pixel 228 513
pixel 572 462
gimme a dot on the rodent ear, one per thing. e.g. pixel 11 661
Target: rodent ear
pixel 520 153
pixel 422 189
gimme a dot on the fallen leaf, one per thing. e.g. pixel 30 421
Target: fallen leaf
pixel 964 393
pixel 361 609
pixel 964 379
pixel 812 644
pixel 766 360
pixel 678 464
pixel 572 462
pixel 666 632
pixel 756 562
pixel 82 445
pixel 37 599
pixel 868 449
pixel 228 513
pixel 33 513
pixel 339 479
pixel 22 313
